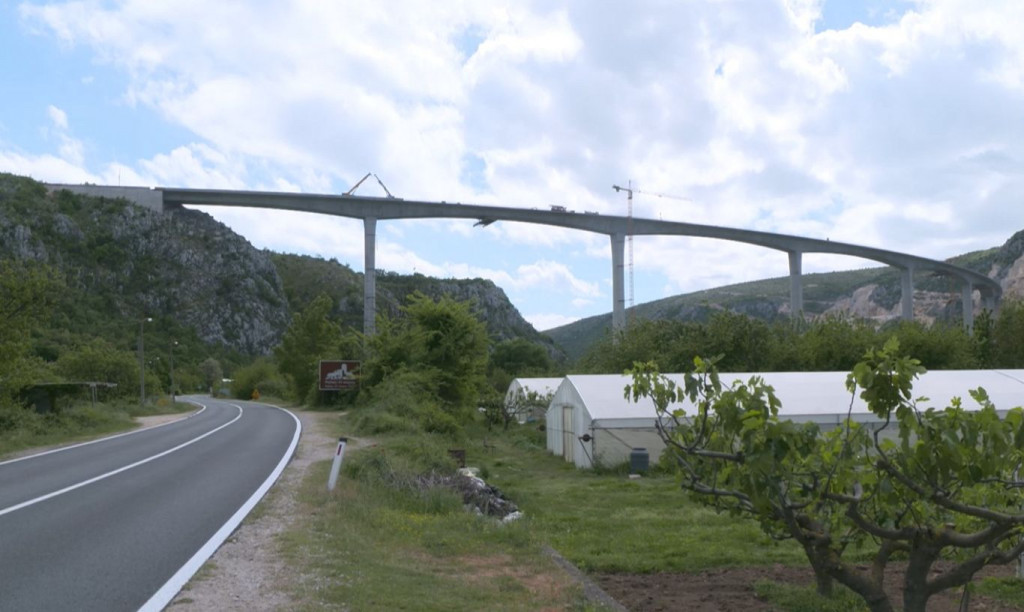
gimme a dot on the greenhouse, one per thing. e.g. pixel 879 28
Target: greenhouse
pixel 590 422
pixel 521 388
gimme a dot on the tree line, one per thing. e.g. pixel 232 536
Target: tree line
pixel 830 343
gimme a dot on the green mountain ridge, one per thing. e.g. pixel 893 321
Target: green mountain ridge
pixel 936 297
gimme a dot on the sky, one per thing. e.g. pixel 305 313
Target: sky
pixel 889 123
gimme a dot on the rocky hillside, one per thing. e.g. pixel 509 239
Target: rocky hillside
pixel 872 293
pixel 123 262
pixel 306 277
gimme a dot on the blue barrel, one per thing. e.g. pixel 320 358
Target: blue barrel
pixel 638 460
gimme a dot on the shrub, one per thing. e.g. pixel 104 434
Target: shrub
pixel 260 375
pixel 435 420
pixel 375 423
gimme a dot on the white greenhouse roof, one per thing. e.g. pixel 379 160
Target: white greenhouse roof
pixel 604 397
pixel 810 394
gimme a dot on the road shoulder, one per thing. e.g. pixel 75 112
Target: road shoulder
pixel 247 572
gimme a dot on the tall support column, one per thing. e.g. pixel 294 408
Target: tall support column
pixel 988 302
pixel 796 286
pixel 968 304
pixel 618 289
pixel 907 293
pixel 369 276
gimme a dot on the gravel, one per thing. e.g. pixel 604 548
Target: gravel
pixel 246 572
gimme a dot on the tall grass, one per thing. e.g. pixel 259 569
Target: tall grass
pixel 378 543
pixel 23 428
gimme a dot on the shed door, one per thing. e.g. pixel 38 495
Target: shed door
pixel 567 433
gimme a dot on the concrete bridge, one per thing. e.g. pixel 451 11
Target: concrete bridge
pixel 372 209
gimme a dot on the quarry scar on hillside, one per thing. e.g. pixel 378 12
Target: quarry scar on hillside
pixel 372 209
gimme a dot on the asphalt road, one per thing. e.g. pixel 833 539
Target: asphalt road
pixel 122 523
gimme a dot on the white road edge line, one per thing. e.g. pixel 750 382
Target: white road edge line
pixel 166 593
pixel 105 438
pixel 90 481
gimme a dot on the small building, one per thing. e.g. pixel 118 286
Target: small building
pixel 590 422
pixel 521 388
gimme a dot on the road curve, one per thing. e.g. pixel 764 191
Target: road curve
pixel 122 523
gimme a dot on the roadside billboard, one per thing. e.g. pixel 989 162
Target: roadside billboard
pixel 338 375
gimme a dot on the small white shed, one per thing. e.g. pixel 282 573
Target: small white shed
pixel 521 387
pixel 589 420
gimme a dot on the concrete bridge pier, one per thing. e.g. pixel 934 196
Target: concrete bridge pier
pixel 907 293
pixel 369 275
pixel 796 286
pixel 968 304
pixel 618 288
pixel 988 302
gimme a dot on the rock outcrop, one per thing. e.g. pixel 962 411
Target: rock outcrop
pixel 183 265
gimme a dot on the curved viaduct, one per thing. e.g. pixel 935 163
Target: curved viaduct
pixel 372 209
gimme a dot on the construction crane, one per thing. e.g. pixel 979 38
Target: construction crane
pixel 629 231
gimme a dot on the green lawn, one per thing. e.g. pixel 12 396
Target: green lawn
pixel 609 523
pixel 375 544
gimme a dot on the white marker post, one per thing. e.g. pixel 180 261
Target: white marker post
pixel 336 466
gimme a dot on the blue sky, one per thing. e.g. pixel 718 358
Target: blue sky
pixel 889 123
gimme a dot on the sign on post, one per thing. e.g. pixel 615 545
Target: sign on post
pixel 338 375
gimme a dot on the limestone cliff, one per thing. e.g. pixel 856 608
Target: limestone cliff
pixel 130 262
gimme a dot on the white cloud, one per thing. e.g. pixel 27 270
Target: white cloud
pixel 47 168
pixel 58 117
pixel 906 136
pixel 198 166
pixel 544 322
pixel 292 232
pixel 553 275
pixel 69 148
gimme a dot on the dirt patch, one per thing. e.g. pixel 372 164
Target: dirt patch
pixel 247 572
pixel 160 419
pixel 733 589
pixel 484 568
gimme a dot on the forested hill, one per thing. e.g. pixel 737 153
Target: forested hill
pixel 872 293
pixel 306 277
pixel 194 275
